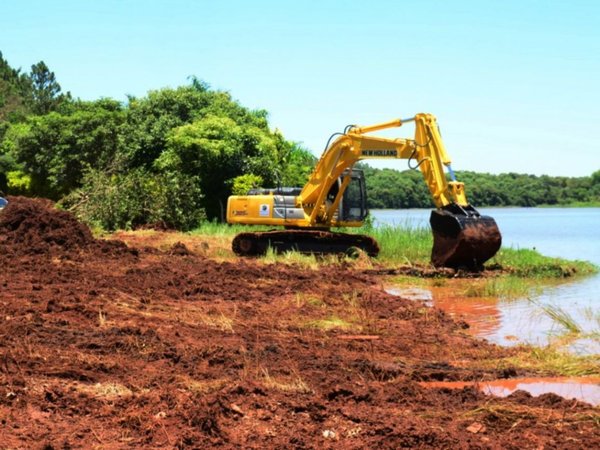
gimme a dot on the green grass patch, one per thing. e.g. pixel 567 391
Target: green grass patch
pixel 506 287
pixel 291 258
pixel 404 245
pixel 331 323
pixel 554 360
pixel 224 229
pixel 531 264
pixel 560 316
pixel 308 299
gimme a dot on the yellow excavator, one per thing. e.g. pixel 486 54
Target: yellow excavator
pixel 335 196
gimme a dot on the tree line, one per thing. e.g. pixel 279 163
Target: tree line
pixel 174 155
pixel 389 188
pixel 170 157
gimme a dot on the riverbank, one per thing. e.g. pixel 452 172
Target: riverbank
pixel 158 339
pixel 475 297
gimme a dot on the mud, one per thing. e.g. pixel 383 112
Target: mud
pixel 109 345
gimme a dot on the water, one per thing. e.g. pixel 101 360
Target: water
pixel 585 389
pixel 570 233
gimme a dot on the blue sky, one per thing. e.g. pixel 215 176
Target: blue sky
pixel 514 84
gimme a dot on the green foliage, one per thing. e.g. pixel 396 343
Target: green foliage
pixel 45 90
pixel 390 188
pixel 55 149
pixel 298 163
pixel 243 183
pixel 217 150
pixel 125 201
pixel 14 91
pixel 18 182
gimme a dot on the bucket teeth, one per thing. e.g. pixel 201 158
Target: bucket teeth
pixel 462 238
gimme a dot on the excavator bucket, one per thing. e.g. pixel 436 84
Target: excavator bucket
pixel 462 238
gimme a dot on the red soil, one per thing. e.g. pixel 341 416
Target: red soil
pixel 109 346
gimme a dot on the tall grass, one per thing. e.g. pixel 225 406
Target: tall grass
pixel 560 317
pixel 402 244
pixel 506 287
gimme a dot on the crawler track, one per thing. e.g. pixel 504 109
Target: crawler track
pixel 304 241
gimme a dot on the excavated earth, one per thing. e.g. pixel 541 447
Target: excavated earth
pixel 105 345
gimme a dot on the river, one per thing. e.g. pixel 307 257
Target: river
pixel 571 233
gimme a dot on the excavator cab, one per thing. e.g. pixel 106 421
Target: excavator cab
pixel 353 206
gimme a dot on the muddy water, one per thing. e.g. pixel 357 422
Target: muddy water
pixel 565 232
pixel 586 389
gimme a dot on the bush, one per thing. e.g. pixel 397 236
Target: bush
pixel 126 201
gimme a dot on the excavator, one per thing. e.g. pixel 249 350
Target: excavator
pixel 335 196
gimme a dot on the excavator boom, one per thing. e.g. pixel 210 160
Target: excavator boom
pixel 462 237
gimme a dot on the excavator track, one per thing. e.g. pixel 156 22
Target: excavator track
pixel 303 241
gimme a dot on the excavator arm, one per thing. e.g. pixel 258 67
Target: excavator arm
pixel 427 149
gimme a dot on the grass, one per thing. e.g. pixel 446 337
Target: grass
pixel 291 258
pixel 330 323
pixel 224 229
pixel 202 386
pixel 552 359
pixel 294 383
pixel 408 244
pixel 506 287
pixel 302 299
pixel 403 244
pixel 560 317
pixel 528 263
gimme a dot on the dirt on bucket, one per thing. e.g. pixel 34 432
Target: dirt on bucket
pixel 477 242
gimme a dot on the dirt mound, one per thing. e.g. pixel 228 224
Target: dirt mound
pixel 30 226
pixel 34 226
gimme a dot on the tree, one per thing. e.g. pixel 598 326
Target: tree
pixel 217 150
pixel 55 149
pixel 15 88
pixel 297 165
pixel 46 92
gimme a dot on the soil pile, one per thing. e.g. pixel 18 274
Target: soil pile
pixel 150 349
pixel 34 226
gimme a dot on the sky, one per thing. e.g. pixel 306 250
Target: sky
pixel 513 84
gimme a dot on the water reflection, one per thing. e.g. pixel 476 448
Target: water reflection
pixel 570 233
pixel 505 322
pixel 585 389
